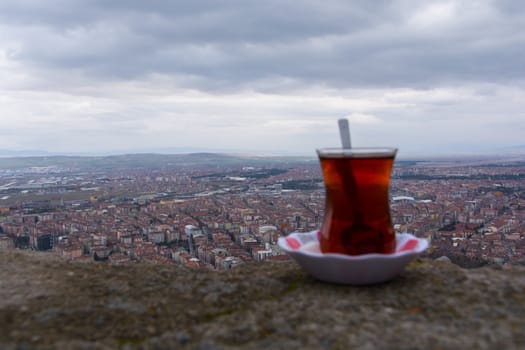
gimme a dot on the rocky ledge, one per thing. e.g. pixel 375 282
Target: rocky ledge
pixel 50 303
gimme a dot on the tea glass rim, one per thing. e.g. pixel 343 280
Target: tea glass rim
pixel 357 152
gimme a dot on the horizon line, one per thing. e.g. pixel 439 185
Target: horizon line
pixel 403 155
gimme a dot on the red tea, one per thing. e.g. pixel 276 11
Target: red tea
pixel 357 213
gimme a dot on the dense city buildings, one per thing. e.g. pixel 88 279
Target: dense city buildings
pixel 219 215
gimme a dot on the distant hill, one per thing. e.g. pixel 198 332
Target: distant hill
pixel 24 153
pixel 142 161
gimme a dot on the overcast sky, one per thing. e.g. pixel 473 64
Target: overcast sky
pixel 261 76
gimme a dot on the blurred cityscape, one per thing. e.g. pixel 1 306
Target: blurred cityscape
pixel 208 211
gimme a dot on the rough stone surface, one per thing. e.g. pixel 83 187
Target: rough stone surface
pixel 46 303
pixel 444 258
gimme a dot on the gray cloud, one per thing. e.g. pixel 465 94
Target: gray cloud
pixel 239 43
pixel 238 71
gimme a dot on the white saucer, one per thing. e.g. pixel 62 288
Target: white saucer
pixel 351 269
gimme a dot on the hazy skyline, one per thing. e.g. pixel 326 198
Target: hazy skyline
pixel 265 77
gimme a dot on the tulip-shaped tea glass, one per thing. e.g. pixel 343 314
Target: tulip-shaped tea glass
pixel 357 212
